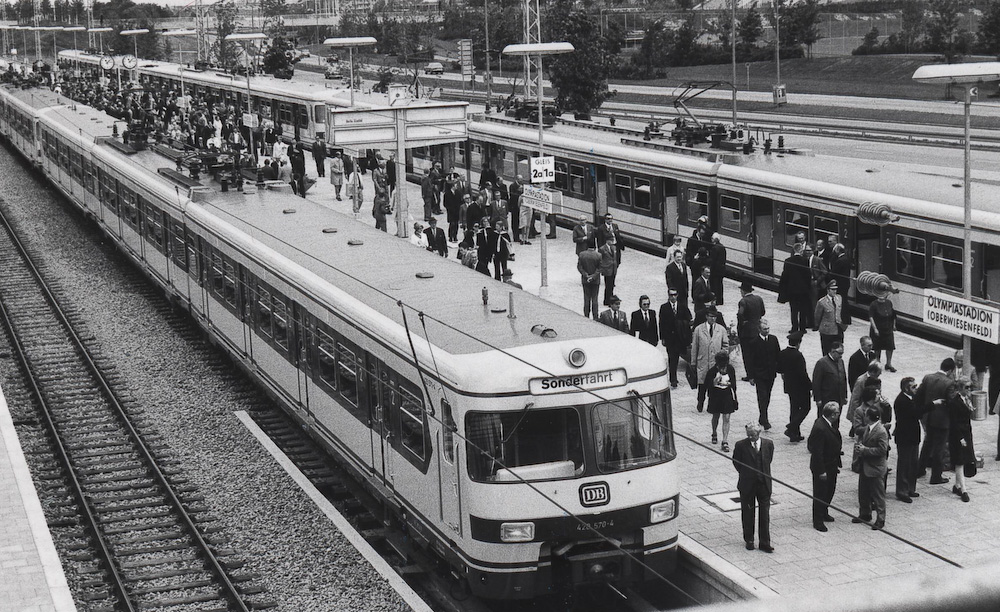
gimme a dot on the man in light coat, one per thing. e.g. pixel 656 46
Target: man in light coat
pixel 871 449
pixel 709 339
pixel 827 318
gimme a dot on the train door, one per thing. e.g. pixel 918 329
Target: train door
pixel 762 235
pixel 869 239
pixel 378 387
pixel 991 272
pixel 600 191
pixel 449 491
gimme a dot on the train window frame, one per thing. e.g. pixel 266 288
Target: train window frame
pixel 922 254
pixel 935 257
pixel 637 407
pixel 795 223
pixel 622 185
pixel 448 429
pixel 326 369
pixel 263 317
pixel 696 208
pixel 825 233
pixel 562 176
pixel 153 225
pixel 355 369
pixel 281 322
pixel 642 195
pixel 577 180
pixel 480 425
pixel 730 213
pixel 178 243
pixel 409 405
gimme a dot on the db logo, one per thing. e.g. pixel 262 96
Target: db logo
pixel 595 494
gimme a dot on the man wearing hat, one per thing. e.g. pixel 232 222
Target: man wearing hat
pixel 436 239
pixel 709 339
pixel 827 318
pixel 614 317
pixel 583 234
pixel 749 312
pixel 792 367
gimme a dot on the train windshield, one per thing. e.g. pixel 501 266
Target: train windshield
pixel 531 444
pixel 632 432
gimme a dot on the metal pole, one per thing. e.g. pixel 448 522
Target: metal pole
pixel 541 152
pixel 732 35
pixel 967 227
pixel 777 41
pixel 350 51
pixel 489 85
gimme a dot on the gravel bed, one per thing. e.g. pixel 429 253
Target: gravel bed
pixel 304 563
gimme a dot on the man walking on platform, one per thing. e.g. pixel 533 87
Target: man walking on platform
pixel 830 379
pixel 827 318
pixel 675 331
pixel 792 366
pixel 871 449
pixel 752 460
pixel 643 323
pixel 748 314
pixel 907 437
pixel 930 397
pixel 764 350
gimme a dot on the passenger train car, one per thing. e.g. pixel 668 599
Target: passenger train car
pixel 757 204
pixel 529 447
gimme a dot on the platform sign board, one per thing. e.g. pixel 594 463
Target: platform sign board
pixel 780 94
pixel 540 199
pixel 465 57
pixel 543 169
pixel 250 120
pixel 961 316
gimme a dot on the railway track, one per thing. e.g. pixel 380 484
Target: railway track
pixel 142 538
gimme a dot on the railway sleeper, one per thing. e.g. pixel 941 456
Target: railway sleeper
pixel 250 589
pixel 125 466
pixel 123 448
pixel 168 535
pixel 264 604
pixel 96 480
pixel 121 552
pixel 192 584
pixel 127 528
pixel 152 502
pixel 181 601
pixel 148 493
pixel 132 516
pixel 166 573
pixel 94 595
pixel 117 486
pixel 192 556
pixel 85 445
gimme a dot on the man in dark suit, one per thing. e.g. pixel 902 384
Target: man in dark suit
pixel 840 270
pixel 436 239
pixel 871 449
pixel 858 363
pixel 930 397
pixel 752 459
pixel 583 234
pixel 829 378
pixel 609 228
pixel 817 277
pixel 749 312
pixel 614 317
pixel 701 288
pixel 718 256
pixel 764 350
pixel 643 323
pixel 675 331
pixel 907 437
pixel 677 278
pixel 793 289
pixel 486 247
pixel 824 462
pixel 792 366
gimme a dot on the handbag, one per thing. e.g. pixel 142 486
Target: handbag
pixel 691 374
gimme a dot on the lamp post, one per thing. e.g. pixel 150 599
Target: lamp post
pixel 100 32
pixel 246 39
pixel 74 30
pixel 350 43
pixel 180 52
pixel 967 76
pixel 732 36
pixel 55 56
pixel 538 50
pixel 135 47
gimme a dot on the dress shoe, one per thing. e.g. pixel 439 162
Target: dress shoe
pixel 905 499
pixel 878 525
pixel 766 548
pixel 766 426
pixel 526 243
pixel 914 494
pixel 745 379
pixel 820 527
pixel 942 480
pixel 749 545
pixel 954 489
pixel 700 407
pixel 889 368
pixel 797 438
pixel 861 519
pixel 673 385
pixel 965 496
pixel 828 518
pixel 551 236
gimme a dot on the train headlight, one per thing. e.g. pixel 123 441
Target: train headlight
pixel 517 532
pixel 576 358
pixel 662 511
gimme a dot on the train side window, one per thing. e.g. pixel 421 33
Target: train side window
pixel 178 250
pixel 697 204
pixel 946 265
pixel 194 269
pixel 411 417
pixel 347 374
pixel 521 167
pixel 476 156
pixel 326 358
pixel 562 176
pixel 154 225
pixel 795 222
pixel 729 213
pixel 448 429
pixel 824 227
pixel 911 256
pixel 623 190
pixel 576 179
pixel 264 318
pixel 643 200
pixel 279 311
pixel 218 286
pixel 229 282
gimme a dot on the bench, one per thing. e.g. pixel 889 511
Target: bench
pixel 114 143
pixel 169 152
pixel 177 177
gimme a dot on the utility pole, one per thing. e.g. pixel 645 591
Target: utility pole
pixel 532 35
pixel 489 84
pixel 732 37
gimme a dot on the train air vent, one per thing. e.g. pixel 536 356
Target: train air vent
pixel 329 230
pixel 544 332
pixel 425 275
pixel 289 211
pixel 355 242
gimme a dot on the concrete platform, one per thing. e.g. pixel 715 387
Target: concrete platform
pixel 31 577
pixel 805 560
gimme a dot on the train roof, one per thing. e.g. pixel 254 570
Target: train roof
pixel 383 269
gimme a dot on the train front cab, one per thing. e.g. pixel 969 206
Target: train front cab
pixel 538 460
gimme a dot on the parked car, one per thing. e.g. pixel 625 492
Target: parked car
pixel 284 73
pixel 434 68
pixel 333 71
pixel 304 52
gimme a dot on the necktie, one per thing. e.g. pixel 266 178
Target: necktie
pixel 711 328
pixel 645 316
pixel 756 446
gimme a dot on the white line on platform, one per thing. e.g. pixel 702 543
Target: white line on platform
pixel 355 538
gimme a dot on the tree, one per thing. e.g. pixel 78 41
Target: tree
pixel 272 11
pixel 913 25
pixel 989 29
pixel 581 77
pixel 804 23
pixel 751 28
pixel 655 47
pixel 78 10
pixel 685 48
pixel 277 57
pixel 227 53
pixel 869 45
pixel 942 28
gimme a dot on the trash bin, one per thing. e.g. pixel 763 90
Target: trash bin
pixel 980 405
